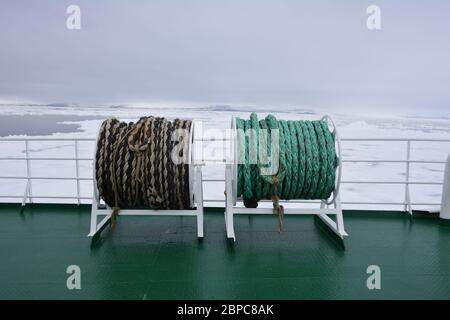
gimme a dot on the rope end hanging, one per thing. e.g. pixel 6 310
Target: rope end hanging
pixel 280 218
pixel 277 208
pixel 114 215
pixel 279 211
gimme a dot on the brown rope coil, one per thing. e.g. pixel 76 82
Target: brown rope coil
pixel 134 164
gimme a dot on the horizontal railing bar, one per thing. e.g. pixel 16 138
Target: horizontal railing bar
pixel 392 182
pixel 355 139
pixel 222 160
pixel 397 139
pixel 211 139
pixel 390 203
pixel 370 202
pixel 45 158
pixel 425 204
pixel 270 201
pixel 49 197
pixel 292 201
pixel 46 139
pixel 399 161
pixel 350 202
pixel 361 182
pixel 218 160
pixel 263 201
pixel 46 178
pixel 226 139
pixel 343 202
pixel 3 196
pixel 220 180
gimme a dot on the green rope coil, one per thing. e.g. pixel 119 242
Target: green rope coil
pixel 295 160
pixel 306 156
pixel 264 156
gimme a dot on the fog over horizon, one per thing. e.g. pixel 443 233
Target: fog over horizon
pixel 315 55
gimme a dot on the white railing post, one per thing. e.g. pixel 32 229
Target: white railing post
pixel 198 189
pixel 77 169
pixel 407 192
pixel 29 187
pixel 198 143
pixel 445 203
pixel 25 195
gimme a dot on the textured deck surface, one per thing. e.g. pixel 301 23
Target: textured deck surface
pixel 160 257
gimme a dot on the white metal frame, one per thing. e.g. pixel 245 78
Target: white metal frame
pixel 98 210
pixel 196 198
pixel 445 199
pixel 327 207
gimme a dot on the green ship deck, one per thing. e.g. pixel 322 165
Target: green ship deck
pixel 161 257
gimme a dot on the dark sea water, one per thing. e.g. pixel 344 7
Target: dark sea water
pixel 36 125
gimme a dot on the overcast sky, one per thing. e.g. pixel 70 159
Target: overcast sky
pixel 309 54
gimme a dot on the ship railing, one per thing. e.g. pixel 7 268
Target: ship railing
pixel 28 197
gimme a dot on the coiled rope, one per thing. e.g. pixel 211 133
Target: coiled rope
pixel 134 166
pixel 306 156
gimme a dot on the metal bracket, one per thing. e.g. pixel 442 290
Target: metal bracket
pixel 105 211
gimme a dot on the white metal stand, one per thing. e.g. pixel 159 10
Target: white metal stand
pixel 331 207
pixel 196 196
pixel 104 211
pixel 445 203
